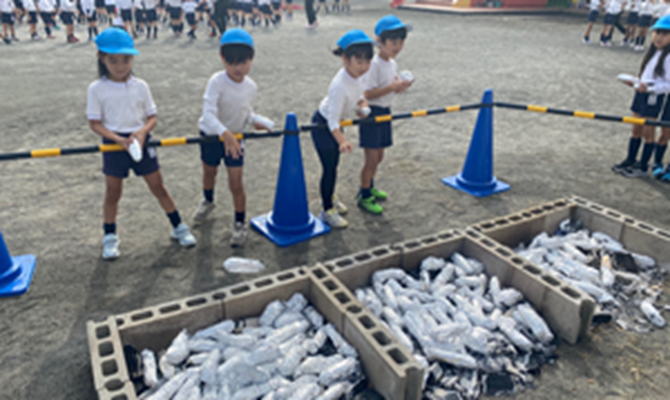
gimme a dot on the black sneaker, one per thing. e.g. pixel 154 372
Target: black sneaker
pixel 7 40
pixel 636 171
pixel 622 166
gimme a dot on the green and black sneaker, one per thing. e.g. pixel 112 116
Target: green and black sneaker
pixel 370 205
pixel 378 194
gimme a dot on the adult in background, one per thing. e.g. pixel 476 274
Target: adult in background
pixel 312 23
pixel 220 14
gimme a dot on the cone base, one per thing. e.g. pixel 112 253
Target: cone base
pixel 287 237
pixel 26 265
pixel 476 190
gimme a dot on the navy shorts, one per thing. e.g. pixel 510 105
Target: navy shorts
pixel 609 19
pixel 8 18
pixel 175 13
pixel 246 7
pixel 645 21
pixel 111 9
pixel 593 15
pixel 67 17
pixel 93 17
pixel 190 18
pixel 46 18
pixel 127 15
pixel 118 163
pixel 322 138
pixel 99 3
pixel 378 135
pixel 32 17
pixel 265 9
pixel 633 17
pixel 151 15
pixel 212 154
pixel 139 16
pixel 289 1
pixel 641 105
pixel 276 6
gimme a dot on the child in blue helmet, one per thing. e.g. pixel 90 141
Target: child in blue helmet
pixel 120 108
pixel 227 109
pixel 650 92
pixel 381 84
pixel 345 95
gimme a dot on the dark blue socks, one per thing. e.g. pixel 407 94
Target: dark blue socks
pixel 240 216
pixel 633 148
pixel 647 151
pixel 109 228
pixel 660 152
pixel 175 219
pixel 209 194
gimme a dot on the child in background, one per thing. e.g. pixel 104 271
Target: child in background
pixel 110 11
pixel 612 8
pixel 126 11
pixel 67 17
pixel 227 109
pixel 345 95
pixel 47 8
pixel 189 8
pixel 381 83
pixel 646 13
pixel 633 7
pixel 150 17
pixel 594 6
pixel 89 9
pixel 175 11
pixel 276 10
pixel 266 11
pixel 8 17
pixel 29 5
pixel 120 108
pixel 654 84
pixel 140 20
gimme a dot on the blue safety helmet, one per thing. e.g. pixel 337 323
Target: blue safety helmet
pixel 237 36
pixel 354 36
pixel 116 41
pixel 390 23
pixel 662 23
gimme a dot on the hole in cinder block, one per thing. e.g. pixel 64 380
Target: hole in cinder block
pixel 515 218
pixel 367 322
pixel 342 298
pixel 240 289
pixel 473 234
pixel 397 356
pixel 219 296
pixel 526 214
pixel 330 285
pixel 105 349
pixel 100 319
pixel 445 236
pixel 330 267
pixel 503 252
pixel 517 260
pixel 196 302
pixel 120 321
pixel 102 332
pixel 380 252
pixel 120 397
pixel 645 227
pixel 169 309
pixel 560 204
pixel 502 221
pixel 354 309
pixel 487 225
pixel 263 283
pixel 629 220
pixel 551 280
pixel 580 201
pixel 663 233
pixel 344 263
pixel 487 243
pixel 613 214
pixel 381 338
pixel 596 207
pixel 456 232
pixel 411 245
pixel 109 367
pixel 114 385
pixel 536 211
pixel 570 292
pixel 547 207
pixel 285 277
pixel 362 257
pixel 429 240
pixel 301 271
pixel 141 316
pixel 532 269
pixel 319 273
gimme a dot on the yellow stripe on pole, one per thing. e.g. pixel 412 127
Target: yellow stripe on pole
pixel 534 108
pixel 453 108
pixel 45 153
pixel 634 120
pixel 383 118
pixel 106 148
pixel 584 114
pixel 173 141
pixel 346 122
pixel 419 113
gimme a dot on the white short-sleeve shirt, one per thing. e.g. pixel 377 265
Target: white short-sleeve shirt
pixel 121 107
pixel 381 74
pixel 7 6
pixel 189 7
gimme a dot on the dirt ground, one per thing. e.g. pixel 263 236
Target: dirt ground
pixel 52 207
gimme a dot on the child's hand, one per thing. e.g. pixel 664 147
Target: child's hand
pixel 140 138
pixel 346 147
pixel 261 127
pixel 401 86
pixel 642 88
pixel 124 142
pixel 232 145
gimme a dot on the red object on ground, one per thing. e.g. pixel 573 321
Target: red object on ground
pixel 396 3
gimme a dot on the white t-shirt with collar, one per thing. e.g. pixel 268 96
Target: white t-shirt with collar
pixel 47 5
pixel 124 4
pixel 614 6
pixel 88 6
pixel 7 6
pixel 344 94
pixel 647 7
pixel 29 5
pixel 227 105
pixel 67 5
pixel 122 107
pixel 189 7
pixel 381 74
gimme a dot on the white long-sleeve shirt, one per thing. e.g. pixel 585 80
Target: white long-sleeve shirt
pixel 661 9
pixel 122 107
pixel 344 94
pixel 67 5
pixel 88 6
pixel 656 84
pixel 227 105
pixel 381 74
pixel 124 4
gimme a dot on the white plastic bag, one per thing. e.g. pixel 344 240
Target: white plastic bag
pixel 239 265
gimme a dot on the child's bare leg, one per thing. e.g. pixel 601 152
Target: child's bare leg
pixel 113 191
pixel 155 182
pixel 237 188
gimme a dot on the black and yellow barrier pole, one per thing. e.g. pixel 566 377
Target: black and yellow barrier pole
pixel 581 114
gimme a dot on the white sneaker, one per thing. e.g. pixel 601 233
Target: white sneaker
pixel 203 210
pixel 333 218
pixel 181 233
pixel 110 246
pixel 239 235
pixel 312 26
pixel 339 206
pixel 632 44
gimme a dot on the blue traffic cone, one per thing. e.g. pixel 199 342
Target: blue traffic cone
pixel 15 272
pixel 290 221
pixel 477 178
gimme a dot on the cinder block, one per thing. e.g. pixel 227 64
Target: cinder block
pixel 250 298
pixel 643 238
pixel 569 299
pixel 441 244
pixel 155 327
pixel 350 269
pixel 107 360
pixel 389 366
pixel 125 391
pixel 330 296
